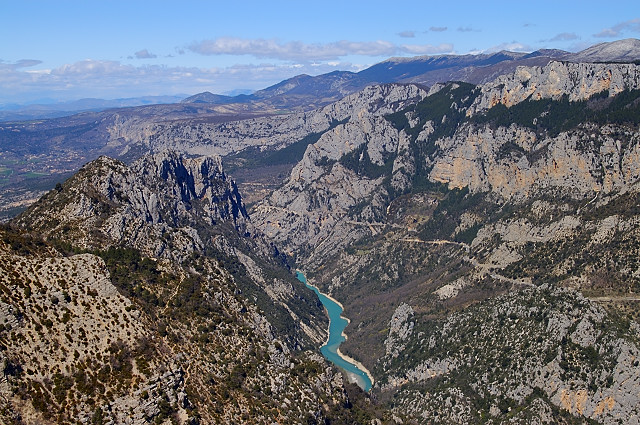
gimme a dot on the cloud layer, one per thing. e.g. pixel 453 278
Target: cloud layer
pixel 299 51
pixel 281 60
pixel 632 25
pixel 110 79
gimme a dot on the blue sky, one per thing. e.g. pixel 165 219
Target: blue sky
pixel 66 50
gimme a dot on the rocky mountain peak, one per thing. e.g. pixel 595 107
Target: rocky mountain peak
pixel 155 205
pixel 192 180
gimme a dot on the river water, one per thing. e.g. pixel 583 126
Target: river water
pixel 337 323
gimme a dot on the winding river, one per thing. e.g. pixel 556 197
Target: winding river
pixel 331 349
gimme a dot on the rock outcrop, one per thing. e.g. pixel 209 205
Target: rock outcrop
pixel 154 205
pixel 541 349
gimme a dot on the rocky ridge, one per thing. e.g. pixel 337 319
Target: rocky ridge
pixel 159 198
pixel 578 81
pixel 627 50
pixel 171 207
pixel 267 133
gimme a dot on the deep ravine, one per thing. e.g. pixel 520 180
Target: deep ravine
pixel 355 371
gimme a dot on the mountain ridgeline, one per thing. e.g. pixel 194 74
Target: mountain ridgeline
pixel 480 235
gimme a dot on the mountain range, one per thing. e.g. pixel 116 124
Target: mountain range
pixel 38 154
pixel 481 238
pixel 304 91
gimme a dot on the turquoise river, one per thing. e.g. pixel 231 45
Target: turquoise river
pixel 329 350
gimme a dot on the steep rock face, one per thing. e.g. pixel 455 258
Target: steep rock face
pixel 181 183
pixel 310 211
pixel 515 163
pixel 578 81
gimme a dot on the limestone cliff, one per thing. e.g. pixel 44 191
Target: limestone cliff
pixel 515 162
pixel 309 213
pixel 577 81
pixel 445 138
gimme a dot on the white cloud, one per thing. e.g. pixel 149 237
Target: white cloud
pixel 427 49
pixel 407 34
pixel 514 46
pixel 145 54
pixel 294 50
pixel 437 29
pixel 22 63
pixel 632 25
pixel 299 51
pixel 565 36
pixel 113 79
